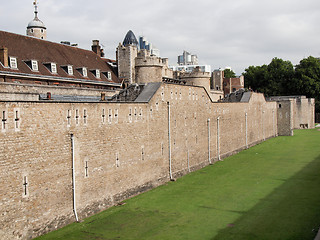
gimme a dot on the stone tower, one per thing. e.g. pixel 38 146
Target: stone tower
pixel 149 68
pixel 36 27
pixel 197 78
pixel 126 55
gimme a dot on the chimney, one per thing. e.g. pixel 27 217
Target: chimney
pixel 96 47
pixel 102 53
pixel 4 56
pixel 103 96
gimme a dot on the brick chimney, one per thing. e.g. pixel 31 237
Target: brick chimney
pixel 4 56
pixel 96 47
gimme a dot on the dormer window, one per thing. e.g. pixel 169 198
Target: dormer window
pixel 68 69
pixel 108 75
pixel 52 67
pixel 33 65
pixel 13 62
pixel 83 71
pixel 96 73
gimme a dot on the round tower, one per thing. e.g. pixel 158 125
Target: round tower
pixel 148 68
pixel 197 78
pixel 36 27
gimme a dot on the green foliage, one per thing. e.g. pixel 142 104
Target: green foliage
pixel 229 73
pixel 281 78
pixel 272 79
pixel 270 192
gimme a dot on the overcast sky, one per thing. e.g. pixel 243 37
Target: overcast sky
pixel 236 33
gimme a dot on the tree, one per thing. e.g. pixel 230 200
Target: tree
pixel 272 79
pixel 307 79
pixel 228 73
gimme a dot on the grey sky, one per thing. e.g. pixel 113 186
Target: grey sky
pixel 236 33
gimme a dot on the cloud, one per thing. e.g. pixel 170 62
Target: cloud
pixel 229 33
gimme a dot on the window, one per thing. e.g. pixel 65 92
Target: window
pixel 69 118
pixel 116 113
pixel 53 68
pixel 84 72
pixel 97 73
pixel 34 65
pixel 110 116
pixel 13 62
pixel 85 116
pixel 108 75
pixel 77 116
pixel 16 119
pixel 70 70
pixel 4 120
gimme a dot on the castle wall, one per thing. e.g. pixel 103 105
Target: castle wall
pixel 304 113
pixel 120 150
pixel 30 92
pixel 285 117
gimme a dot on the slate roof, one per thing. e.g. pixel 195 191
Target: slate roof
pixel 130 39
pixel 26 48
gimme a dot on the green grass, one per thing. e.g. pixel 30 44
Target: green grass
pixel 270 191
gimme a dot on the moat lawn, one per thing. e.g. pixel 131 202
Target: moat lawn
pixel 271 191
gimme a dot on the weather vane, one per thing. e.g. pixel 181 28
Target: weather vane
pixel 35 3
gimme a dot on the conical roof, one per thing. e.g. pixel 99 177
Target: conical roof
pixel 130 39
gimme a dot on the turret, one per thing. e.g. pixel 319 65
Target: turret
pixel 36 27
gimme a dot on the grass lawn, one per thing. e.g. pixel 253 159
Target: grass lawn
pixel 270 191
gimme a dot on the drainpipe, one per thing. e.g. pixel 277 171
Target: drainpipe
pixel 218 138
pixel 247 130
pixel 169 135
pixel 188 160
pixel 274 132
pixel 74 179
pixel 263 134
pixel 209 136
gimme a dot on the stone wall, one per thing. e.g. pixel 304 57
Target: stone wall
pixel 120 150
pixel 30 92
pixel 303 110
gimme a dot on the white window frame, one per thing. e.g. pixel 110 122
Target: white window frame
pixel 53 68
pixel 34 65
pixel 70 70
pixel 13 62
pixel 98 75
pixel 109 75
pixel 84 72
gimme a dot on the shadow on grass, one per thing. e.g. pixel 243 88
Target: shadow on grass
pixel 291 211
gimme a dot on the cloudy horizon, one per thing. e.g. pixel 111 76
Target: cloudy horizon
pixel 233 33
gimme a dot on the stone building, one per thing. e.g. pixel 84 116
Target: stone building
pixel 32 65
pixel 68 151
pixel 232 84
pixel 139 66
